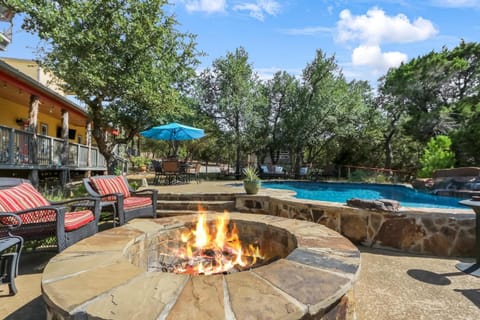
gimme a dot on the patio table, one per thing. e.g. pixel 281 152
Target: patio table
pixel 473 268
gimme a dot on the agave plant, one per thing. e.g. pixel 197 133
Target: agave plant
pixel 251 174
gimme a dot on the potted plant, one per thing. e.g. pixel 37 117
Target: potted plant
pixel 140 162
pixel 252 181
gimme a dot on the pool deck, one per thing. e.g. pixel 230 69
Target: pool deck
pixel 392 285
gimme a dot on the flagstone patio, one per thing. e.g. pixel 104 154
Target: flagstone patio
pixel 391 285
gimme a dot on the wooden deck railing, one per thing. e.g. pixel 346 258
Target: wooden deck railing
pixel 17 149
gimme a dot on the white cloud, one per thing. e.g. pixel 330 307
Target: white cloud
pixel 309 31
pixel 372 56
pixel 209 6
pixel 369 31
pixel 375 27
pixel 259 9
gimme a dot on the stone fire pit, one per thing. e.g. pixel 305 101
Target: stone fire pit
pixel 108 276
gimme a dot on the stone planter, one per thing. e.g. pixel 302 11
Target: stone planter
pixel 252 187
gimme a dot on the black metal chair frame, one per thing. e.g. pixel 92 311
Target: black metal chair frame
pixel 42 230
pixel 123 214
pixel 159 174
pixel 10 250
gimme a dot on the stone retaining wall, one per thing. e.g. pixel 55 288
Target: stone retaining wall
pixel 438 232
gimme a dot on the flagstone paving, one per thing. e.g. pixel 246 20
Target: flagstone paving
pixel 392 285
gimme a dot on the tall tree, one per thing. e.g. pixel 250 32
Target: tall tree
pixel 227 92
pixel 326 108
pixel 440 93
pixel 119 57
pixel 280 94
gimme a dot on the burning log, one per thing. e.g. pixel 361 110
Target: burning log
pixel 209 248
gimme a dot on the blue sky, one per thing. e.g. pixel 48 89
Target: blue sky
pixel 366 37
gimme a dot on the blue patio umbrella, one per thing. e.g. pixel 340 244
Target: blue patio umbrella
pixel 173 132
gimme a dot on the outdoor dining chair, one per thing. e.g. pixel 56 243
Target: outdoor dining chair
pixel 159 174
pixel 172 171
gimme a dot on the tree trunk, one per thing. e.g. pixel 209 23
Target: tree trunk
pixel 238 173
pixel 388 149
pixel 98 132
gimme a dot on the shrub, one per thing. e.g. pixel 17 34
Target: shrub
pixel 437 155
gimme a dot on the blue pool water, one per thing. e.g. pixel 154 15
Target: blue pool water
pixel 341 192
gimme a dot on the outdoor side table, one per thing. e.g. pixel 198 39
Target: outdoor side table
pixel 112 204
pixel 9 261
pixel 473 268
pixel 103 204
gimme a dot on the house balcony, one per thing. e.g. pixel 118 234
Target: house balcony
pixel 18 151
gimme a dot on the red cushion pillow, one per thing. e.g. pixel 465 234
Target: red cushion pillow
pixel 21 197
pixel 110 185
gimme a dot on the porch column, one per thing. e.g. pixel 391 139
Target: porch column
pixel 88 173
pixel 64 154
pixel 32 126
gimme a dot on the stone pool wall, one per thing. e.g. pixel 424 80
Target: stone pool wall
pixel 439 232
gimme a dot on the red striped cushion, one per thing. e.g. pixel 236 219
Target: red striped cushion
pixel 136 202
pixel 77 219
pixel 110 185
pixel 21 197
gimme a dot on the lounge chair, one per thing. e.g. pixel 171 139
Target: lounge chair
pixel 68 221
pixel 126 203
pixel 271 173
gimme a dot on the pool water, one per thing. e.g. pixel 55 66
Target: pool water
pixel 341 192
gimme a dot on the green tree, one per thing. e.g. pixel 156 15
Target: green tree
pixel 438 90
pixel 124 59
pixel 280 94
pixel 227 93
pixel 437 155
pixel 326 112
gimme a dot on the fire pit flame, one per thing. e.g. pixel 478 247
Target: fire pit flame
pixel 211 248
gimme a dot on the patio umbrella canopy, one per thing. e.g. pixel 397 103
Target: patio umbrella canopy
pixel 173 132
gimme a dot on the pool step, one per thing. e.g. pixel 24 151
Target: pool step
pixel 174 213
pixel 183 205
pixel 203 197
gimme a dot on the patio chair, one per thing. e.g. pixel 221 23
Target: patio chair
pixel 173 171
pixel 270 173
pixel 193 171
pixel 126 203
pixel 68 221
pixel 10 249
pixel 159 174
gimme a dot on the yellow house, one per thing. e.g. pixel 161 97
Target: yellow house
pixel 42 132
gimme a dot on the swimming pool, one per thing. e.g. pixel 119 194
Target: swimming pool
pixel 341 192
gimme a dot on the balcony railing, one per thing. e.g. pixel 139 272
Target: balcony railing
pixel 17 149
